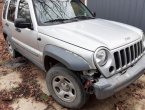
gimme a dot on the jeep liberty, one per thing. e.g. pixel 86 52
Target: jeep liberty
pixel 80 53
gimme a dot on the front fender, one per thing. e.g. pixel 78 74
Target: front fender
pixel 69 59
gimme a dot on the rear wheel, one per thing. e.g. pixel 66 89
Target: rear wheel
pixel 65 87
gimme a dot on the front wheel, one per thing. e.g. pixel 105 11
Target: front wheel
pixel 65 87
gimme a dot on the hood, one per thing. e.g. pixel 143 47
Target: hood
pixel 91 34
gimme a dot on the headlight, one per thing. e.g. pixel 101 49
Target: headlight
pixel 101 57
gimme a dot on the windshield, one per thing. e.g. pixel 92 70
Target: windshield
pixel 50 11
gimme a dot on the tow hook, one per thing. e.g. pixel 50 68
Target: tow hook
pixel 88 86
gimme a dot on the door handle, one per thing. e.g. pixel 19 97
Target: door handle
pixel 18 30
pixel 39 39
pixel 7 24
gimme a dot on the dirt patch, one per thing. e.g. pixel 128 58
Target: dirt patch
pixel 9 80
pixel 28 104
pixel 42 82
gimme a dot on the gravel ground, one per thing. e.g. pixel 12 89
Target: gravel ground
pixel 23 87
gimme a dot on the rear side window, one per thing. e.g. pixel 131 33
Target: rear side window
pixel 11 10
pixel 5 10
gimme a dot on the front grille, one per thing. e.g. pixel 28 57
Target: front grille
pixel 128 55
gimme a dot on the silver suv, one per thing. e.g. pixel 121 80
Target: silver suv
pixel 81 54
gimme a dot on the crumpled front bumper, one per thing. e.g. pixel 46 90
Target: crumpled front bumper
pixel 106 87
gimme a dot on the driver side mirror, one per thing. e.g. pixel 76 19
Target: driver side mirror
pixel 22 23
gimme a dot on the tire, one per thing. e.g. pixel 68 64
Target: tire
pixel 11 50
pixel 56 78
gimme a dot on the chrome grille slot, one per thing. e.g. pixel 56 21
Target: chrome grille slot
pixel 135 50
pixel 132 53
pixel 123 59
pixel 116 56
pixel 127 56
pixel 141 46
pixel 138 48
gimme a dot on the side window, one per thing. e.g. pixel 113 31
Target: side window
pixel 11 10
pixel 5 10
pixel 23 10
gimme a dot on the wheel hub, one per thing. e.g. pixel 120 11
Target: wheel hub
pixel 64 88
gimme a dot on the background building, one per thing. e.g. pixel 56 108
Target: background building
pixel 127 11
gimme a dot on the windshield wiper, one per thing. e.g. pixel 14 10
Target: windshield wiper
pixel 83 17
pixel 56 20
pixel 61 20
pixel 71 19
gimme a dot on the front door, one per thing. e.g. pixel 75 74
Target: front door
pixel 26 39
